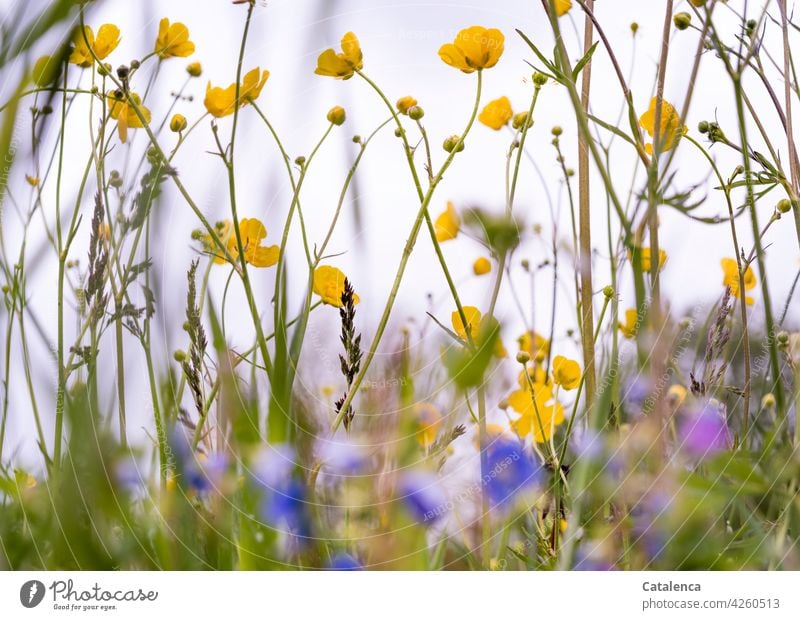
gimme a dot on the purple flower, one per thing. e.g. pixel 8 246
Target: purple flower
pixel 510 471
pixel 344 561
pixel 423 496
pixel 203 474
pixel 703 431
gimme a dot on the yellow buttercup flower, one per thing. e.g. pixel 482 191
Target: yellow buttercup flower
pixel 534 344
pixel 473 317
pixel 220 101
pixel 329 285
pixel 731 279
pixel 342 65
pixel 173 40
pixel 429 420
pixel 252 231
pixel 563 7
pixel 474 48
pixel 404 104
pixel 475 322
pixel 644 256
pixel 671 128
pixel 631 324
pixel 447 224
pixel 496 113
pixel 106 41
pixel 566 372
pixel 481 266
pixel 124 114
pixel 223 230
pixel 540 413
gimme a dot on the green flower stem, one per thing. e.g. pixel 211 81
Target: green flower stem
pixel 412 238
pixel 743 303
pixel 426 214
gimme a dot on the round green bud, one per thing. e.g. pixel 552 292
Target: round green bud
pixel 784 205
pixel 634 28
pixel 179 356
pixel 556 131
pixel 539 79
pixel 682 20
pixel 300 160
pixel 453 144
pixel 608 291
pixel 523 357
pixel 702 126
pixel 415 113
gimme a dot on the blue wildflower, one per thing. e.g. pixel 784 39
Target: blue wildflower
pixel 510 471
pixel 703 431
pixel 423 496
pixel 344 561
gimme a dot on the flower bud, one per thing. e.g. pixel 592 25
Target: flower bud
pixel 453 144
pixel 608 291
pixel 697 3
pixel 180 356
pixel 783 337
pixel 404 104
pixel 682 20
pixel 768 402
pixel 784 205
pixel 521 121
pixel 539 79
pixel 300 160
pixel 336 115
pixel 523 357
pixel 357 139
pixel 122 72
pixel 634 28
pixel 195 69
pixel 416 113
pixel 178 123
pixel 702 127
pixel 556 131
pixel 135 64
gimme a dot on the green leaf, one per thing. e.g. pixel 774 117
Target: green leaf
pixel 583 61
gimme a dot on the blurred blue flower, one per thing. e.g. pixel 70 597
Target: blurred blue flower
pixel 205 473
pixel 423 496
pixel 703 431
pixel 510 471
pixel 287 507
pixel 343 458
pixel 344 561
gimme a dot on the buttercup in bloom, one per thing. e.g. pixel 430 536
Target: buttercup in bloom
pixel 125 115
pixel 540 412
pixel 429 420
pixel 220 101
pixel 102 45
pixel 475 322
pixel 631 324
pixel 671 128
pixel 730 279
pixel 566 372
pixel 252 231
pixel 644 257
pixel 563 7
pixel 481 266
pixel 447 224
pixel 329 285
pixel 404 104
pixel 496 113
pixel 534 344
pixel 173 40
pixel 341 65
pixel 474 48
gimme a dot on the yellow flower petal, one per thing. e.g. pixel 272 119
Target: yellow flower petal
pixel 474 48
pixel 566 372
pixel 481 266
pixel 447 224
pixel 173 40
pixel 329 285
pixel 496 113
pixel 341 65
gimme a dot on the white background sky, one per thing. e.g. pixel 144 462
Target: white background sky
pixel 400 42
